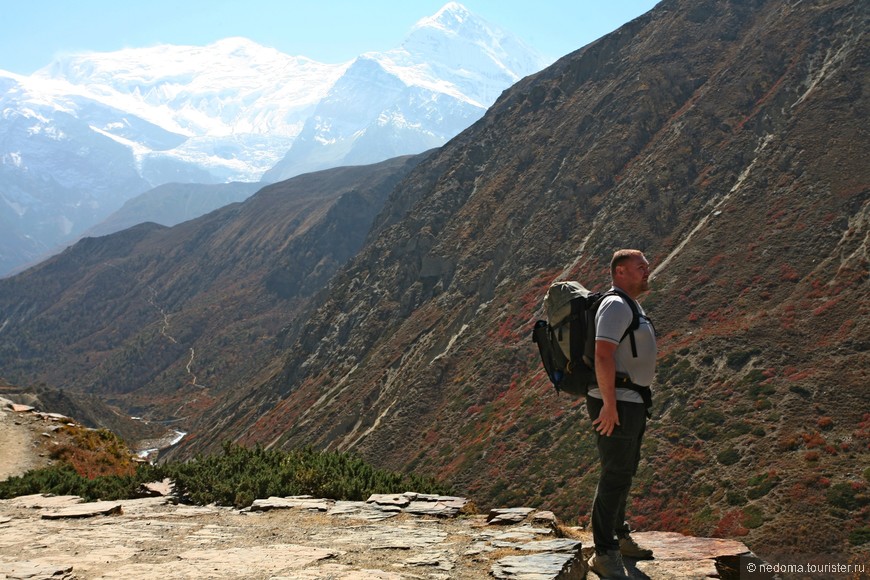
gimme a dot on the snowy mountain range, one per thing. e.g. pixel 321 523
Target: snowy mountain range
pixel 91 131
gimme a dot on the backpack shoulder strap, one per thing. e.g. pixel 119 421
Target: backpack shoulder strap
pixel 635 318
pixel 578 330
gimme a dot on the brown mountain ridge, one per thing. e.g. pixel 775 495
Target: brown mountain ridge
pixel 163 308
pixel 726 139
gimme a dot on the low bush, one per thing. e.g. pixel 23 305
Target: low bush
pixel 236 477
pixel 729 456
pixel 737 359
pixel 859 536
pixel 846 496
pixel 760 485
pixel 63 479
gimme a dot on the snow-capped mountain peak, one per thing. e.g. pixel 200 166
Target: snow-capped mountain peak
pixel 104 127
pixel 447 71
pixel 220 89
pixel 486 58
pixel 449 19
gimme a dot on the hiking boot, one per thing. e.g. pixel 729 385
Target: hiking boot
pixel 629 548
pixel 608 565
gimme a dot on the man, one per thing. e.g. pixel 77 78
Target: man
pixel 624 367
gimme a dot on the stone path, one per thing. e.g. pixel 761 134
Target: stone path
pixel 20 431
pixel 402 537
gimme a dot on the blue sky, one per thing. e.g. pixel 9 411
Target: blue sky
pixel 330 31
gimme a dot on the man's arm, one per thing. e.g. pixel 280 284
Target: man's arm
pixel 605 374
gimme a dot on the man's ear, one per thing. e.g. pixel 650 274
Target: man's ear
pixel 620 268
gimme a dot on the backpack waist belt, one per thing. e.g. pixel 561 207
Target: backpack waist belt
pixel 623 382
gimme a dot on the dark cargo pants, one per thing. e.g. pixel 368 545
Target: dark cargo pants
pixel 619 454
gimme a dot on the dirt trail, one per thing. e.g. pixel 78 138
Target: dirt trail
pixel 20 447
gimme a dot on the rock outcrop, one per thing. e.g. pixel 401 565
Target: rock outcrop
pixel 303 538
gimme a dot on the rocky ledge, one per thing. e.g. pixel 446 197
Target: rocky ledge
pixel 395 537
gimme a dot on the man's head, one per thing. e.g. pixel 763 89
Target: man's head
pixel 630 271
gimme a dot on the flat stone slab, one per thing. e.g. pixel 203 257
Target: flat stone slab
pixel 45 501
pixel 544 517
pixel 675 546
pixel 35 571
pixel 435 497
pixel 402 500
pixel 678 556
pixel 541 567
pixel 85 510
pixel 508 515
pixel 363 511
pixel 441 560
pixel 672 569
pixel 554 545
pixel 524 533
pixel 443 508
pixel 306 503
pixel 54 417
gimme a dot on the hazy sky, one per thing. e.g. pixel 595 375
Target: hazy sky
pixel 330 31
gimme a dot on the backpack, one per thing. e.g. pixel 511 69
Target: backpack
pixel 566 339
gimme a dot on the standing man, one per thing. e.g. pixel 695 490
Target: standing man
pixel 625 357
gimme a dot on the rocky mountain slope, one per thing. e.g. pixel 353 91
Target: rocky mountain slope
pixel 724 139
pixel 192 308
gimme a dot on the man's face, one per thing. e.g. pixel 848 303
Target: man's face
pixel 634 274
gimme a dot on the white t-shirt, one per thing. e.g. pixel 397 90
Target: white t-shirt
pixel 611 321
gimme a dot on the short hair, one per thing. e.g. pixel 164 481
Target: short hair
pixel 620 256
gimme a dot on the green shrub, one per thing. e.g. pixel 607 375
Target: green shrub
pixel 760 485
pixel 677 373
pixel 859 536
pixel 735 498
pixel 711 417
pixel 737 429
pixel 707 423
pixel 729 456
pixel 738 358
pixel 844 496
pixel 759 390
pixel 706 432
pixel 236 477
pixel 754 377
pixel 753 517
pixel 240 475
pixel 62 479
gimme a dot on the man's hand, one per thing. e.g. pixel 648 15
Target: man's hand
pixel 607 420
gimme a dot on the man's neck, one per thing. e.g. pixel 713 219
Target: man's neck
pixel 633 296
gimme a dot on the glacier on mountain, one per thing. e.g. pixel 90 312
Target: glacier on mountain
pixel 449 69
pixel 90 131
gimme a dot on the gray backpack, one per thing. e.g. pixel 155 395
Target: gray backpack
pixel 566 339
